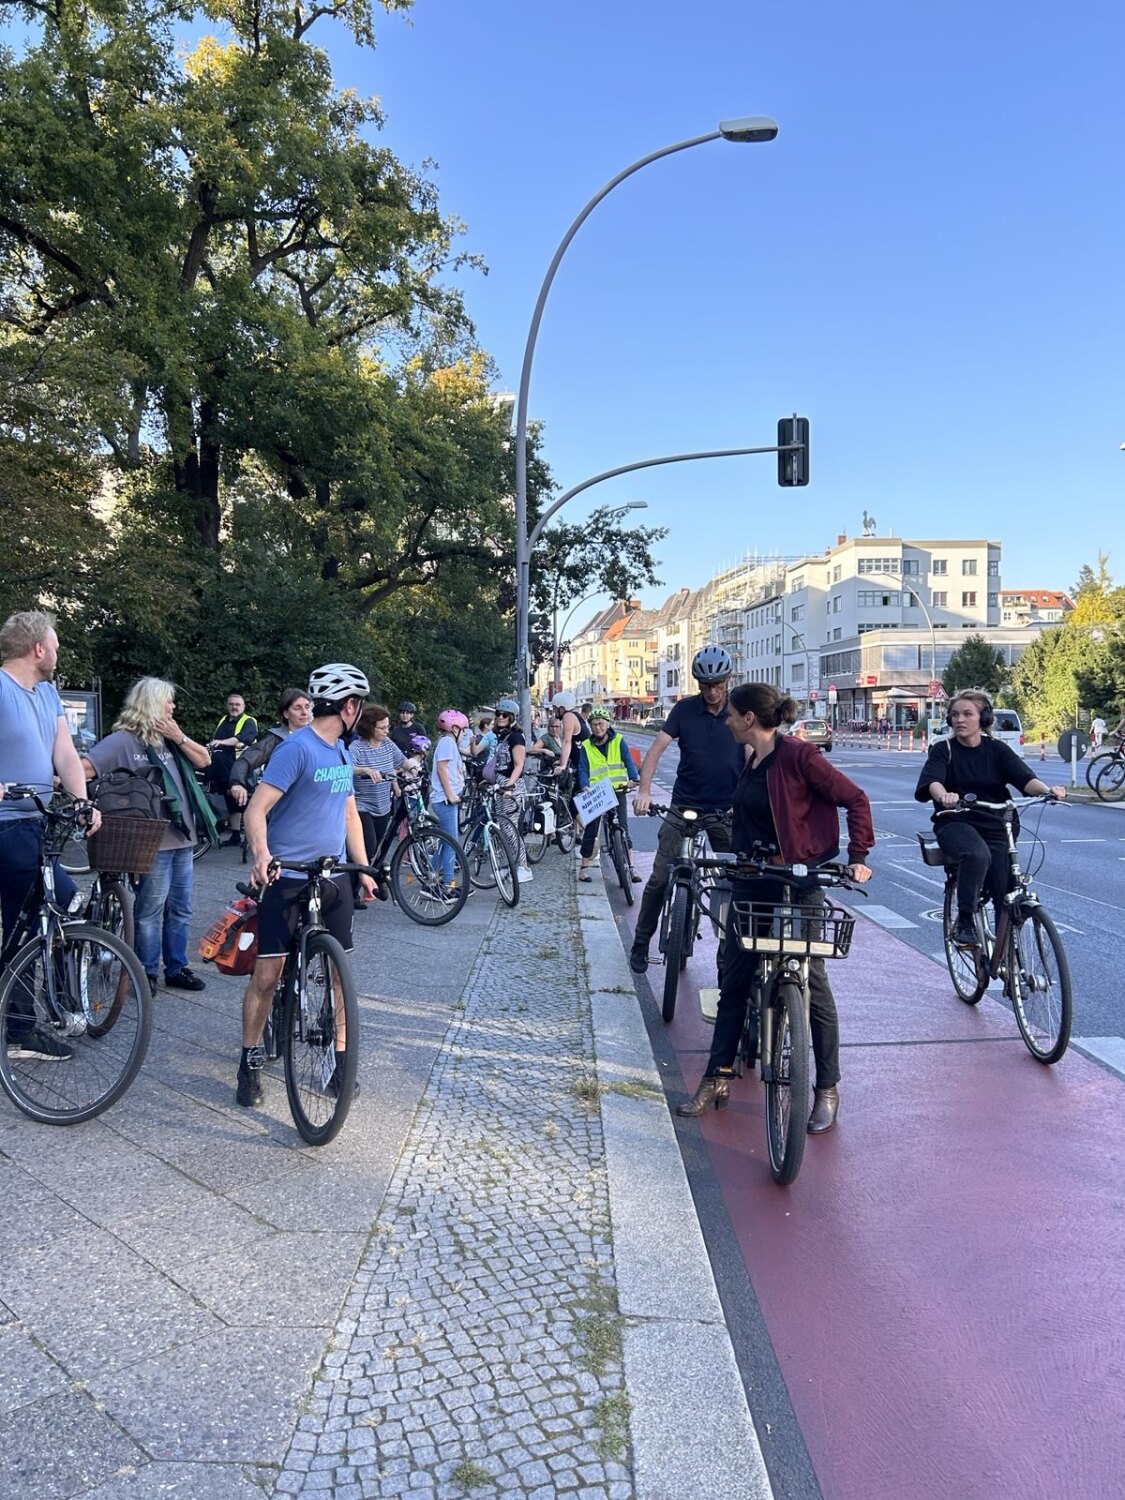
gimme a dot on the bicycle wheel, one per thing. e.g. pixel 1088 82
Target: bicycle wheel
pixel 967 966
pixel 62 1074
pixel 202 845
pixel 620 856
pixel 536 840
pixel 503 855
pixel 112 909
pixel 675 942
pixel 787 1091
pixel 566 835
pixel 1109 783
pixel 481 875
pixel 320 1007
pixel 1095 764
pixel 75 858
pixel 1040 991
pixel 417 882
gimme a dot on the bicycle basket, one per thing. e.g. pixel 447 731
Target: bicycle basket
pixel 794 931
pixel 231 941
pixel 125 845
pixel 931 853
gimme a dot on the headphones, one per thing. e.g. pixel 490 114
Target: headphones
pixel 985 713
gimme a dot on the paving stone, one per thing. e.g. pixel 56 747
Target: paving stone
pixel 61 1446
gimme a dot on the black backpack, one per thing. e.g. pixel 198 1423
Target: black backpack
pixel 130 794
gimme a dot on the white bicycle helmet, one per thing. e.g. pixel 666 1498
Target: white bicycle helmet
pixel 336 682
pixel 711 664
pixel 562 702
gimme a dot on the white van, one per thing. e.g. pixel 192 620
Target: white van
pixel 1006 726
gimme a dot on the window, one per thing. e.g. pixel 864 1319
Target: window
pixel 909 565
pixel 836 573
pixel 876 599
pixel 797 671
pixel 940 567
pixel 969 567
pixel 993 601
pixel 878 565
pixel 837 633
pixel 969 601
pixel 836 604
pixel 994 567
pixel 797 612
pixel 798 584
pixel 940 598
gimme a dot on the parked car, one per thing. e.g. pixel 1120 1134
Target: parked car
pixel 817 731
pixel 1006 726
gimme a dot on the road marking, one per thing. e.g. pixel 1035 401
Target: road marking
pixel 1078 896
pixel 1109 1050
pixel 916 874
pixel 1082 841
pixel 885 917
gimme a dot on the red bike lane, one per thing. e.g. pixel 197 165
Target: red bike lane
pixel 944 1284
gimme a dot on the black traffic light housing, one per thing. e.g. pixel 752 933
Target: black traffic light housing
pixel 793 466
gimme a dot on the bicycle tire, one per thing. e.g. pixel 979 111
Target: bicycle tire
pixel 967 967
pixel 675 937
pixel 536 841
pixel 1109 783
pixel 417 884
pixel 1096 763
pixel 113 911
pixel 110 998
pixel 620 856
pixel 202 845
pixel 566 835
pixel 787 1092
pixel 1040 989
pixel 504 860
pixel 320 1089
pixel 481 876
pixel 75 857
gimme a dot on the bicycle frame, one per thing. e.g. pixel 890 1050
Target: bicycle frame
pixel 1019 899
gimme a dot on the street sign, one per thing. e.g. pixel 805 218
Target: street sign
pixel 1073 741
pixel 831 692
pixel 812 695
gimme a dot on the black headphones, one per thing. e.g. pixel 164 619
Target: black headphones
pixel 985 713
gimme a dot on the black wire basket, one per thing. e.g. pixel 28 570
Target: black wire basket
pixel 793 931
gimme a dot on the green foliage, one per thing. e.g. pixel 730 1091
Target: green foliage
pixel 975 664
pixel 1046 679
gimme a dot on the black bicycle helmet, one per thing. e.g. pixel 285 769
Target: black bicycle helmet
pixel 406 707
pixel 711 664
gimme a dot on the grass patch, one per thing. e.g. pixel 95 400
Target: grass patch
pixel 470 1476
pixel 635 1089
pixel 598 1331
pixel 612 1416
pixel 586 1089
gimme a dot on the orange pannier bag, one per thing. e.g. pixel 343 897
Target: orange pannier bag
pixel 231 941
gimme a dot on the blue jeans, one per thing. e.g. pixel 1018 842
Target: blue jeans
pixel 19 869
pixel 162 911
pixel 446 814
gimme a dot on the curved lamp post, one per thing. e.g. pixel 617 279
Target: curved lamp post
pixel 610 515
pixel 910 589
pixel 751 128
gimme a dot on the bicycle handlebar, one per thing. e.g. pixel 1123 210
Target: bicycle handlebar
pixel 77 808
pixel 970 802
pixel 315 869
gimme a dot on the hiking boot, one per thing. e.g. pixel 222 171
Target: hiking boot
pixel 38 1045
pixel 183 979
pixel 250 1093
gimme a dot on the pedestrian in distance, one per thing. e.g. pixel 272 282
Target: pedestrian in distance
pixel 146 734
pixel 233 733
pixel 294 711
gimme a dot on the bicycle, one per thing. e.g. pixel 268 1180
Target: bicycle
pixel 314 1004
pixel 1025 950
pixel 413 871
pixel 687 897
pixel 75 1004
pixel 616 845
pixel 1109 777
pixel 777 1030
pixel 492 850
pixel 554 805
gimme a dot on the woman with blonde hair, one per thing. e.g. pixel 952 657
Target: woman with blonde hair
pixel 146 734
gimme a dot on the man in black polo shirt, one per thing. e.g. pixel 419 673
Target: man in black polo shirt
pixel 711 762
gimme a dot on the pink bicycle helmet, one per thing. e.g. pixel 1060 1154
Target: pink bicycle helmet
pixel 451 719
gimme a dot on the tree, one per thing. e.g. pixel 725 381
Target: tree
pixel 975 664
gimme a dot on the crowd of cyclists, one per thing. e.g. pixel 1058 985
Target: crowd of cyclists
pixel 324 778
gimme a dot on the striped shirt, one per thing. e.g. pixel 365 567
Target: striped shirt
pixel 375 796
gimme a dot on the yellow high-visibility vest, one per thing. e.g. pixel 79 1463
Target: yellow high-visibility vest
pixel 609 766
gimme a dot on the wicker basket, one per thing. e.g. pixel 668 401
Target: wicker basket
pixel 126 846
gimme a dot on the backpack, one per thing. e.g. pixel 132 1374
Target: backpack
pixel 130 794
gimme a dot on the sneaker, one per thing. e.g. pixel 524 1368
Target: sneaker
pixel 234 841
pixel 638 959
pixel 523 875
pixel 250 1092
pixel 635 876
pixel 183 979
pixel 965 934
pixel 38 1046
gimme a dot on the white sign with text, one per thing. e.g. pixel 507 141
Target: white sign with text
pixel 595 800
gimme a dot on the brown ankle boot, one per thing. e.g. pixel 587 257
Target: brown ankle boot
pixel 825 1104
pixel 712 1091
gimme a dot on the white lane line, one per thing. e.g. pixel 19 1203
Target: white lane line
pixel 917 874
pixel 885 917
pixel 1078 896
pixel 1082 841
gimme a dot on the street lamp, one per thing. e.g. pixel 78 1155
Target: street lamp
pixel 751 128
pixel 908 589
pixel 610 515
pixel 799 637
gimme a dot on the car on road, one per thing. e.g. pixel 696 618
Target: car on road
pixel 1006 725
pixel 816 731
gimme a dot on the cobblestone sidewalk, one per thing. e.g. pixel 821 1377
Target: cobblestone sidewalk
pixel 480 1345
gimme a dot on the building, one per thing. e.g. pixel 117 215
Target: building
pixel 1034 606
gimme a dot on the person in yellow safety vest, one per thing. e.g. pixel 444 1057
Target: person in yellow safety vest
pixel 232 735
pixel 604 757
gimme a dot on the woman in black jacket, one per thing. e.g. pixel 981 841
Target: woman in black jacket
pixel 294 712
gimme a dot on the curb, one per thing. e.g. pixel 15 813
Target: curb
pixel 691 1426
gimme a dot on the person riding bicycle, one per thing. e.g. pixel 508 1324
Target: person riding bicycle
pixel 786 798
pixel 293 713
pixel 605 757
pixel 511 754
pixel 971 761
pixel 711 762
pixel 303 809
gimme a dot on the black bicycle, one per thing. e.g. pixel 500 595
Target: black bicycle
pixel 75 1004
pixel 1106 774
pixel 492 848
pixel 412 855
pixel 314 1019
pixel 615 843
pixel 1024 951
pixel 688 895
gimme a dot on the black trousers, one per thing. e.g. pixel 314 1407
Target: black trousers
pixel 740 970
pixel 590 832
pixel 374 827
pixel 667 850
pixel 981 853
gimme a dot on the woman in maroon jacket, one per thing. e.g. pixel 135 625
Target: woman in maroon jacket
pixel 787 797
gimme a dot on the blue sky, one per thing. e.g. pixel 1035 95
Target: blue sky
pixel 927 261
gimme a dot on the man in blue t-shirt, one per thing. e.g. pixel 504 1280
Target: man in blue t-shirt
pixel 711 762
pixel 304 808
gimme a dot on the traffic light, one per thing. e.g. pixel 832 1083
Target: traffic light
pixel 540 623
pixel 793 467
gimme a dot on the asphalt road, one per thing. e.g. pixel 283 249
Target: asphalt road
pixel 1078 863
